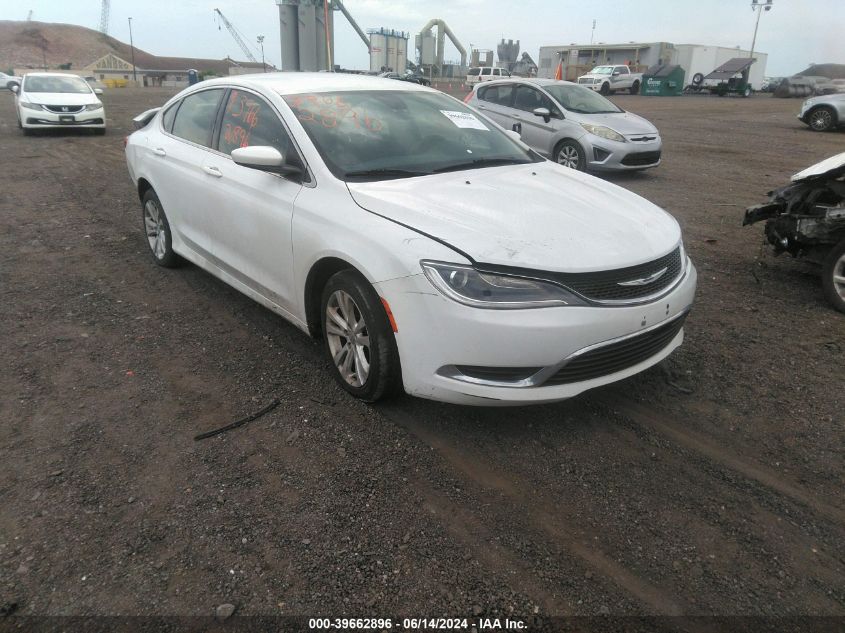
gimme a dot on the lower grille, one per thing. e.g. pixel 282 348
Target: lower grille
pixel 614 357
pixel 637 159
pixel 58 109
pixel 498 374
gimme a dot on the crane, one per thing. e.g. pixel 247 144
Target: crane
pixel 236 35
pixel 105 8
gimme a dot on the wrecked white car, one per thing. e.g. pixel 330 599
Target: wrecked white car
pixel 807 219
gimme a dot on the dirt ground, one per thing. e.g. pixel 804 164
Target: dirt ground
pixel 709 485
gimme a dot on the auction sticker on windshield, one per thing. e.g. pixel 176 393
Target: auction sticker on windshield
pixel 464 120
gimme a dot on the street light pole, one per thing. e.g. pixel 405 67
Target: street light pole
pixel 261 43
pixel 759 6
pixel 132 46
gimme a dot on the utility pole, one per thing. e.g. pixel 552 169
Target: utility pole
pixel 593 34
pixel 260 39
pixel 759 6
pixel 132 47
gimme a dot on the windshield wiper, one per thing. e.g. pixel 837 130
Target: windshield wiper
pixel 386 172
pixel 481 162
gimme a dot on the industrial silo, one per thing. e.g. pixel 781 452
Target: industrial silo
pixel 388 50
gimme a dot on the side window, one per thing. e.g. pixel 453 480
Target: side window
pixel 485 71
pixel 500 95
pixel 168 116
pixel 529 99
pixel 196 116
pixel 249 120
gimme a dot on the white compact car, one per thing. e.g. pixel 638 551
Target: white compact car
pixel 427 247
pixel 56 100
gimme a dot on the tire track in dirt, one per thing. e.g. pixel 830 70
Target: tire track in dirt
pixel 653 420
pixel 516 490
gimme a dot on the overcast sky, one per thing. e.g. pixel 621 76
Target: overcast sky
pixel 794 33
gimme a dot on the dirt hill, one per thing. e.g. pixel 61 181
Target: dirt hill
pixel 832 71
pixel 28 44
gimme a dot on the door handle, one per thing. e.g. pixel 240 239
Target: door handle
pixel 158 151
pixel 212 171
pixel 516 116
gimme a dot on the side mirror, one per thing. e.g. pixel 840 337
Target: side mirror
pixel 264 158
pixel 543 112
pixel 98 91
pixel 14 87
pixel 516 136
pixel 616 73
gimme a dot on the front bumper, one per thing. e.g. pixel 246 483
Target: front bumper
pixel 437 336
pixel 46 119
pixel 605 155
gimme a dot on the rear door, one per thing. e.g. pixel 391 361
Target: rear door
pixel 495 100
pixel 175 161
pixel 253 211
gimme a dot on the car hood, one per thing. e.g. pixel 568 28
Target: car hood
pixel 539 215
pixel 60 98
pixel 626 123
pixel 832 167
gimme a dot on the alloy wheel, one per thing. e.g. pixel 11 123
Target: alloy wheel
pixel 839 277
pixel 568 156
pixel 156 229
pixel 821 120
pixel 348 338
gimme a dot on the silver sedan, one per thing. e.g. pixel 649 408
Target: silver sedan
pixel 570 124
pixel 824 113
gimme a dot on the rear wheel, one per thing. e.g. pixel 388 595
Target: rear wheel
pixel 359 339
pixel 747 92
pixel 635 89
pixel 570 154
pixel 833 276
pixel 157 230
pixel 822 119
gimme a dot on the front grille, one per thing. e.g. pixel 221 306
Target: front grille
pixel 637 159
pixel 605 285
pixel 585 81
pixel 59 109
pixel 614 357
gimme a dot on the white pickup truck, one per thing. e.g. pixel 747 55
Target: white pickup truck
pixel 609 79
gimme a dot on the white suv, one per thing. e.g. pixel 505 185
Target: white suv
pixel 486 73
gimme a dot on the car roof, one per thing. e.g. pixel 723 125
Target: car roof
pixel 286 83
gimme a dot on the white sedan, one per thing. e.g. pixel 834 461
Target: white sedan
pixel 56 100
pixel 429 249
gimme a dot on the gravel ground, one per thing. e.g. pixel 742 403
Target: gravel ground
pixel 710 485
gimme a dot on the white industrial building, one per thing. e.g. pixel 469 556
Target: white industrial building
pixel 693 58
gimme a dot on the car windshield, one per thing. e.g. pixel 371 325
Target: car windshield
pixel 602 70
pixel 70 84
pixel 582 100
pixel 380 134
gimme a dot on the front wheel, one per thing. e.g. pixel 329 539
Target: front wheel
pixel 605 89
pixel 571 154
pixel 822 119
pixel 359 338
pixel 833 276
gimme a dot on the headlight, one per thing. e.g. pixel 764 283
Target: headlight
pixel 94 106
pixel 29 106
pixel 472 287
pixel 603 132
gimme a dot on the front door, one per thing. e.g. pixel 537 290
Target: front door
pixel 253 213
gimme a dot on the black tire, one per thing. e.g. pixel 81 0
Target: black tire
pixel 822 119
pixel 100 131
pixel 697 79
pixel 564 152
pixel 834 266
pixel 635 88
pixel 165 256
pixel 384 374
pixel 605 89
